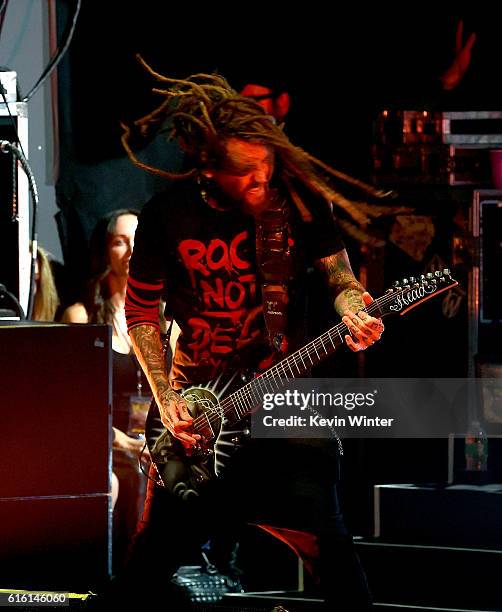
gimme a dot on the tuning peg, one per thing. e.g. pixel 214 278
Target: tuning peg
pixel 438 274
pixel 397 284
pixel 428 276
pixel 413 280
pixel 390 290
pixel 405 281
pixel 447 272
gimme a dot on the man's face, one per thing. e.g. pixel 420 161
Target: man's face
pixel 244 173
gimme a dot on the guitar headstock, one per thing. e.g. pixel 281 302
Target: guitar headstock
pixel 410 292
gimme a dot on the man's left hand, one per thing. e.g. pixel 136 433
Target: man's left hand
pixel 364 329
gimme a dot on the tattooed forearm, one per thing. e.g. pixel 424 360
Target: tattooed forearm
pixel 343 285
pixel 349 299
pixel 148 348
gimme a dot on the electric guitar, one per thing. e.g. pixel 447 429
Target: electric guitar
pixel 184 473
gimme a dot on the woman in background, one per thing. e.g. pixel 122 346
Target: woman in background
pixel 111 246
pixel 46 300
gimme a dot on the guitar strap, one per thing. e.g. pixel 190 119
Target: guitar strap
pixel 273 258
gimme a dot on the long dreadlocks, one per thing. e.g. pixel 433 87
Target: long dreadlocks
pixel 203 111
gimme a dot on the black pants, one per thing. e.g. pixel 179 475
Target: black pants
pixel 277 482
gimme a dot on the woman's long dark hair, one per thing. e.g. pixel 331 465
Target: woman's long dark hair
pixel 96 300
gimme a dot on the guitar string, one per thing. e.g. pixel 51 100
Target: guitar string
pixel 243 400
pixel 246 392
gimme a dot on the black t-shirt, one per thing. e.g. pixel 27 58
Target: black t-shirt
pixel 204 260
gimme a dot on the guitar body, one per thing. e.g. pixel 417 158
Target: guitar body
pixel 184 472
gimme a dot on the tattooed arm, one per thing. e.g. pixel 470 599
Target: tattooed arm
pixel 350 298
pixel 173 408
pixel 343 285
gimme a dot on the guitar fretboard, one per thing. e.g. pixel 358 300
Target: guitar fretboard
pixel 249 397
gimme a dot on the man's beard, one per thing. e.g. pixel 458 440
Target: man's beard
pixel 226 202
pixel 257 207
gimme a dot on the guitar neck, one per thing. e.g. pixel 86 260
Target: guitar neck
pixel 398 301
pixel 249 397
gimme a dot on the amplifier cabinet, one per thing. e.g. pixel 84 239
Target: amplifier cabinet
pixel 438 514
pixel 397 127
pixel 485 294
pixel 55 419
pixel 59 543
pixel 432 164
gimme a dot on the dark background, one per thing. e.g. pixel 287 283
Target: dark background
pixel 341 69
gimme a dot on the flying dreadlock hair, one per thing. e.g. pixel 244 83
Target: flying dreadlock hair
pixel 203 111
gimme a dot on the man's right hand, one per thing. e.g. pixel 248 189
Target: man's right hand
pixel 176 418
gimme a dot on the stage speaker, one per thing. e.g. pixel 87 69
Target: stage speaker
pixel 55 419
pixel 485 299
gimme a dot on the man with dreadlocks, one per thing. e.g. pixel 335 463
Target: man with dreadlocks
pixel 233 232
